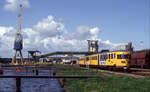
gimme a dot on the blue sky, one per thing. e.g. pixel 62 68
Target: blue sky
pixel 119 21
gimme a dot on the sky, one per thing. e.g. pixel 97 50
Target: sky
pixel 65 25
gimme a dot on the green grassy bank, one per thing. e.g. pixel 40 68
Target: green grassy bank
pixel 105 83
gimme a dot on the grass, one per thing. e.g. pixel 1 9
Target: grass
pixel 113 83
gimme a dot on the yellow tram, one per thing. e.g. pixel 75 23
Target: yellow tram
pixel 115 59
pixel 81 61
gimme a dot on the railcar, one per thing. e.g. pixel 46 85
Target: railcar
pixel 93 60
pixel 81 61
pixel 140 59
pixel 116 59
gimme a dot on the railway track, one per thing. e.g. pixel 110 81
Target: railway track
pixel 140 69
pixel 134 72
pixel 133 75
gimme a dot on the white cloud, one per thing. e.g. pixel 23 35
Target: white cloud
pixel 13 5
pixel 6 40
pixel 49 28
pixel 84 33
pixel 6 31
pixel 49 35
pixel 94 32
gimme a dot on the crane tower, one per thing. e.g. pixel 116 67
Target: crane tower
pixel 93 45
pixel 18 42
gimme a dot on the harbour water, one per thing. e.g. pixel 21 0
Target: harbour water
pixel 29 84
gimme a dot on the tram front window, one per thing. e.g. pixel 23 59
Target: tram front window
pixel 123 56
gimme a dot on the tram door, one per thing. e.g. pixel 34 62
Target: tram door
pixel 111 58
pixel 86 60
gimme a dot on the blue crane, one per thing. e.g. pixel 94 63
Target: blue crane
pixel 18 43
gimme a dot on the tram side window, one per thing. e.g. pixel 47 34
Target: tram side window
pixel 102 57
pixel 94 58
pixel 105 57
pixel 108 56
pixel 82 59
pixel 87 58
pixel 111 56
pixel 90 58
pixel 114 55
